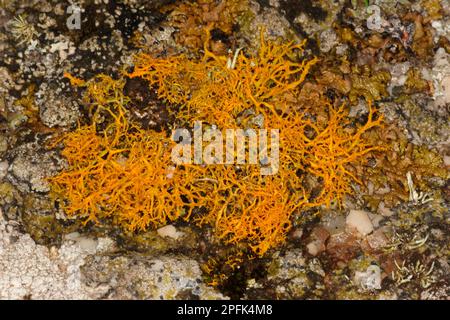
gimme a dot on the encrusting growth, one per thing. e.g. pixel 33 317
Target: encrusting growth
pixel 120 172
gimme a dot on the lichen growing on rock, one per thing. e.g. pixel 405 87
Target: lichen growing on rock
pixel 125 174
pixel 120 173
pixel 293 235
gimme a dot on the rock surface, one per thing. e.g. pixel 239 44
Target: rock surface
pixel 397 55
pixel 86 268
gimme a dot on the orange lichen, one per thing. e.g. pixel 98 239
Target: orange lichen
pixel 74 80
pixel 213 91
pixel 325 150
pixel 334 148
pixel 245 207
pixel 124 173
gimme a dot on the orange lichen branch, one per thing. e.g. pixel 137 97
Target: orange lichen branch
pixel 73 80
pixel 243 206
pixel 211 91
pixel 130 183
pixel 120 172
pixel 335 148
pixel 123 173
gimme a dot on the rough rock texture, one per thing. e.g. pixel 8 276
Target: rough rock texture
pixel 401 59
pixel 136 277
pixel 440 75
pixel 360 221
pixel 290 278
pixel 31 164
pixel 55 109
pixel 30 271
pixel 369 279
pixel 86 268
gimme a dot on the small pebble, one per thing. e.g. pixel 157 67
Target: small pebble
pixel 359 220
pixel 169 231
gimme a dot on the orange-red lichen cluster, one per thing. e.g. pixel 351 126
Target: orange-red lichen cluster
pixel 120 172
pixel 124 173
pixel 217 89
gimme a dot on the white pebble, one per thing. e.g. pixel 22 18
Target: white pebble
pixel 360 221
pixel 313 247
pixel 169 231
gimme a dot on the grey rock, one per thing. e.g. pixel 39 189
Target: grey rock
pixel 31 165
pixel 290 279
pixel 140 277
pixel 56 109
